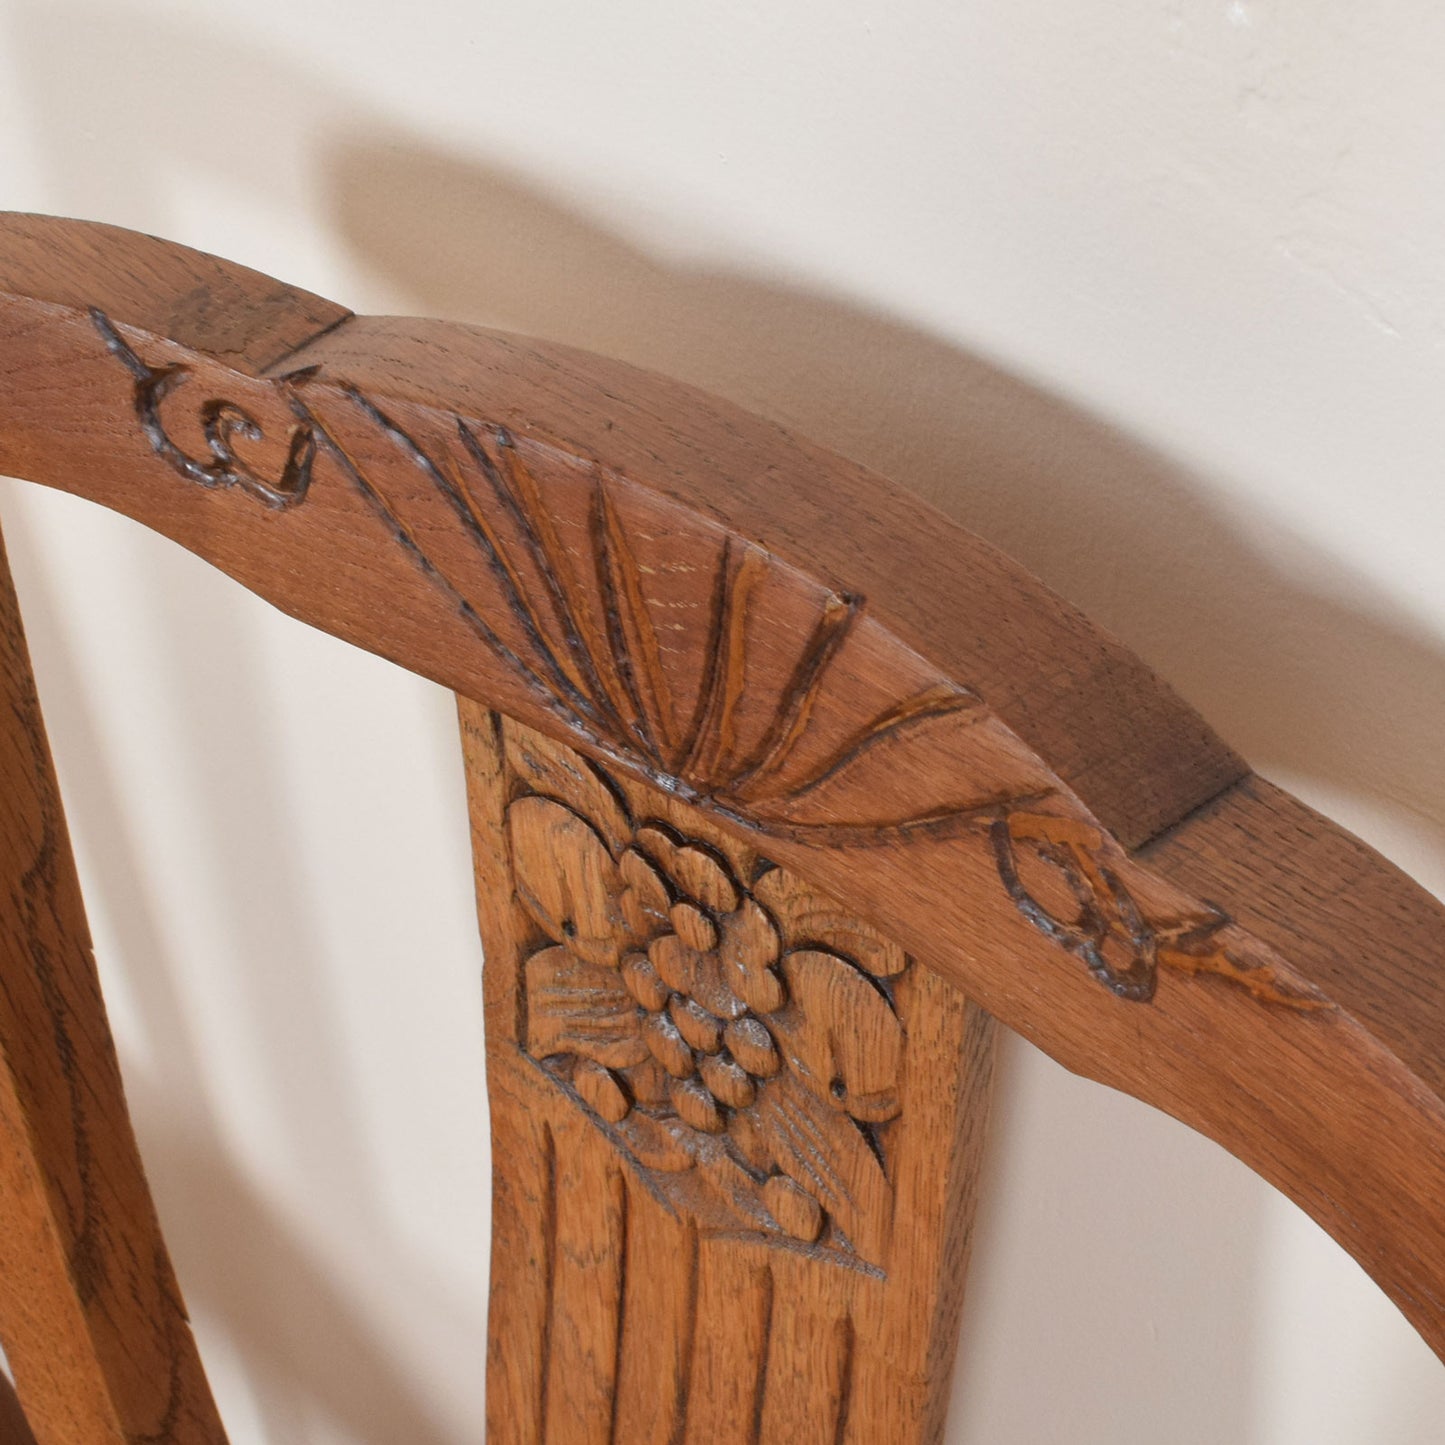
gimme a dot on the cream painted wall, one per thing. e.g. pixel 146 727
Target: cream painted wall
pixel 1152 294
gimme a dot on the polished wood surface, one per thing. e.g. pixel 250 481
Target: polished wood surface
pixel 803 669
pixel 90 1314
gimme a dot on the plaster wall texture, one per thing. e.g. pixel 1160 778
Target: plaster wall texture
pixel 1150 294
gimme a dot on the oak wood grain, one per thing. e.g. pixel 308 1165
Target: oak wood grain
pixel 238 315
pixel 1359 929
pixel 90 1314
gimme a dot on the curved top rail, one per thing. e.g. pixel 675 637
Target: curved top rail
pixel 796 645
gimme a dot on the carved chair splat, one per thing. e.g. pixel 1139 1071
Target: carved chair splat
pixel 783 788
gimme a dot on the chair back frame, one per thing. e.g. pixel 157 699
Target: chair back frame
pixel 783 788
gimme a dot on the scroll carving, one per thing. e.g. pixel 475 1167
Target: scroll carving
pixel 1059 876
pixel 223 423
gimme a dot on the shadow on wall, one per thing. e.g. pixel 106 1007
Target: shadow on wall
pixel 1295 676
pixel 308 1349
pixel 1247 622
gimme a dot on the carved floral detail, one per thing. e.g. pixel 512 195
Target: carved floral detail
pixel 725 1021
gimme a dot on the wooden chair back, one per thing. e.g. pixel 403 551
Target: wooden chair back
pixel 785 792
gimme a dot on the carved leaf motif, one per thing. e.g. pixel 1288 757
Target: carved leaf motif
pixel 1055 870
pixel 843 1036
pixel 795 1209
pixel 825 1153
pixel 659 1142
pixel 807 918
pixel 578 1008
pixel 582 634
pixel 566 879
pixel 553 771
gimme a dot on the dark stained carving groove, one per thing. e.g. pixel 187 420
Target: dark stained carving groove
pixel 765 1351
pixel 617 1181
pixel 549 1278
pixel 222 423
pixel 845 1337
pixel 682 1384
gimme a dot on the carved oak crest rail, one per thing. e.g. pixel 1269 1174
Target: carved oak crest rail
pixel 715 682
pixel 576 621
